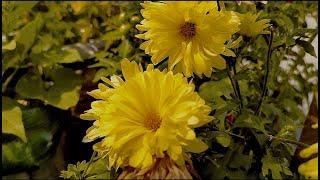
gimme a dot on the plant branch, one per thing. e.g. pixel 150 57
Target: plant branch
pixel 5 84
pixel 265 81
pixel 237 86
pixel 287 141
pixel 271 138
pixel 230 133
pixel 231 71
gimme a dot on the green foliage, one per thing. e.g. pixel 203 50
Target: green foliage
pixel 276 166
pixel 242 148
pixel 48 49
pixel 91 170
pixel 12 119
pixel 61 92
pixel 40 132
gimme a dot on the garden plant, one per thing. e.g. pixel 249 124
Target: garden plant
pixel 159 90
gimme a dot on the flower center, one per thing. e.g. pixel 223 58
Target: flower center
pixel 153 121
pixel 188 30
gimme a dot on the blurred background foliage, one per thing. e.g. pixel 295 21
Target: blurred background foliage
pixel 54 52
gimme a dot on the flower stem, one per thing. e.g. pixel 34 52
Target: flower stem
pixel 89 163
pixel 237 86
pixel 264 87
pixel 231 71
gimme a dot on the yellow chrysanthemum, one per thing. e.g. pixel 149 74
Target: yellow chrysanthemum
pixel 310 168
pixel 250 27
pixel 149 115
pixel 191 34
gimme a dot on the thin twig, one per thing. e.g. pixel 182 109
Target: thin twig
pixel 288 141
pixel 230 133
pixel 237 86
pixel 271 137
pixel 229 70
pixel 264 87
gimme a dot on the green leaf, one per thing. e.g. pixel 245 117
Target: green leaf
pixel 13 13
pixel 70 56
pixel 75 171
pixel 40 130
pixel 213 90
pixel 12 119
pixel 247 120
pixel 10 46
pixel 110 37
pixel 102 73
pixel 125 48
pixel 31 86
pixel 44 43
pixel 242 160
pixel 223 139
pixel 28 34
pixel 308 47
pixel 275 166
pixel 11 58
pixel 42 134
pixel 54 56
pixel 16 155
pixel 99 170
pixel 64 93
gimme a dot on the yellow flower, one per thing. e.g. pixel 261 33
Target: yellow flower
pixel 250 27
pixel 310 168
pixel 149 115
pixel 191 34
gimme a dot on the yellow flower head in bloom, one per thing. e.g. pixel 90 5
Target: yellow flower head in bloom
pixel 191 34
pixel 250 27
pixel 310 168
pixel 149 115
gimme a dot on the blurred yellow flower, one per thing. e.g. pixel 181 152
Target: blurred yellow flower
pixel 77 6
pixel 149 115
pixel 250 27
pixel 191 34
pixel 310 168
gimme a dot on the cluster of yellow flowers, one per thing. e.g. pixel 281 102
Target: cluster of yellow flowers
pixel 310 168
pixel 150 115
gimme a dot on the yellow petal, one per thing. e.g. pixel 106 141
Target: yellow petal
pixel 129 69
pixel 309 168
pixel 309 151
pixel 315 126
pixel 218 62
